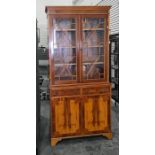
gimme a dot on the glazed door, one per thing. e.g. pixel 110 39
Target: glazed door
pixel 66 116
pixel 96 114
pixel 64 49
pixel 93 38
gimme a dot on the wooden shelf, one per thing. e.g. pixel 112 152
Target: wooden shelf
pixel 61 30
pixel 62 64
pixel 64 47
pixel 58 76
pixel 94 46
pixel 96 63
pixel 93 29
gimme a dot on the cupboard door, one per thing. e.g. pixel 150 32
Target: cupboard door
pixel 64 50
pixel 66 116
pixel 93 36
pixel 96 112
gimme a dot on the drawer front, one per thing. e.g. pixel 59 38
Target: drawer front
pixel 96 90
pixel 65 92
pixel 81 90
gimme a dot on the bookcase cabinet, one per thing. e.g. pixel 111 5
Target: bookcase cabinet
pixel 114 52
pixel 80 91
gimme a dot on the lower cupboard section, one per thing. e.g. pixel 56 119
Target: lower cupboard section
pixel 75 116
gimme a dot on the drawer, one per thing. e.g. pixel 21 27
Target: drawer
pixel 65 92
pixel 96 90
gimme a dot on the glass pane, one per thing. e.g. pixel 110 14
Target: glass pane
pixel 93 49
pixel 64 48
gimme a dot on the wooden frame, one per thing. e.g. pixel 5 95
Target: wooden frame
pixel 52 58
pixel 105 42
pixel 80 104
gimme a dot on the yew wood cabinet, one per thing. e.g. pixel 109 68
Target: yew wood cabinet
pixel 80 92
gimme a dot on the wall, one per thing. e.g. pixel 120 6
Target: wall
pixel 85 2
pixel 42 18
pixel 114 15
pixel 114 12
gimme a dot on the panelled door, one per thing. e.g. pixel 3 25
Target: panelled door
pixel 96 114
pixel 66 116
